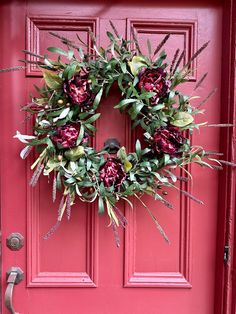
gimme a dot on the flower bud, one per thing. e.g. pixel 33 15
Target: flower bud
pixel 59 157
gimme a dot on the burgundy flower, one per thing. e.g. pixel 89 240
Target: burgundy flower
pixel 79 90
pixel 154 80
pixel 112 173
pixel 66 136
pixel 167 140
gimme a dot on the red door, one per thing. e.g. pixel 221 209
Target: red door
pixel 79 269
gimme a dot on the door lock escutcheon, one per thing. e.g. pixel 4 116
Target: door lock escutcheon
pixel 111 145
pixel 15 241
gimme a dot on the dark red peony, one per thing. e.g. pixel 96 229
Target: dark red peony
pixel 66 136
pixel 154 80
pixel 79 91
pixel 112 173
pixel 168 140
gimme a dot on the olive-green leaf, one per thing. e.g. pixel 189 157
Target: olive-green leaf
pixel 100 205
pixel 58 50
pixel 136 64
pixel 182 119
pixel 97 99
pixel 127 165
pixel 74 153
pixel 52 80
pixel 122 153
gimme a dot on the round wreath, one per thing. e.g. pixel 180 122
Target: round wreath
pixel 68 105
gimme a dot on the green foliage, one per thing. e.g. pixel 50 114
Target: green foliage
pixel 77 168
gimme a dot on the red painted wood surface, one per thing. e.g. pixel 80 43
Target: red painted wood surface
pixel 79 269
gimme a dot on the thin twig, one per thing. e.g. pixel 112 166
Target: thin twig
pixel 16 68
pixel 68 206
pixel 33 54
pixel 216 167
pixel 213 153
pixel 191 197
pixel 123 221
pixel 208 96
pixel 196 54
pixel 36 175
pixel 114 29
pixel 32 62
pixel 174 60
pixel 220 125
pixel 200 81
pixel 135 40
pixel 116 234
pixel 60 37
pixel 54 188
pixel 162 43
pixel 82 42
pixel 179 60
pixel 154 219
pixel 228 163
pixel 51 231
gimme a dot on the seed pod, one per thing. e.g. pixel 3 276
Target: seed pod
pixel 59 157
pixel 60 102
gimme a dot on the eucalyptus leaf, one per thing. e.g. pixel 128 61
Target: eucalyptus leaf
pixel 62 115
pixel 100 205
pixel 74 153
pixel 138 149
pixel 58 50
pixel 52 80
pixel 25 151
pixel 136 64
pixel 81 135
pixel 122 153
pixel 125 102
pixel 23 138
pixel 182 119
pixel 92 119
pixel 127 165
pixel 97 98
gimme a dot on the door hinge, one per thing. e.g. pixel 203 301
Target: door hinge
pixel 226 253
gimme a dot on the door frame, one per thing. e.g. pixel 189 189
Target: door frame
pixel 225 277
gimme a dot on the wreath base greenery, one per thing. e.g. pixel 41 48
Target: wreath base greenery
pixel 66 109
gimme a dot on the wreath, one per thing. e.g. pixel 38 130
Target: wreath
pixel 67 107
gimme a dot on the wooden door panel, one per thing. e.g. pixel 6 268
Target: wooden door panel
pixel 51 262
pixel 79 269
pixel 38 37
pixel 183 35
